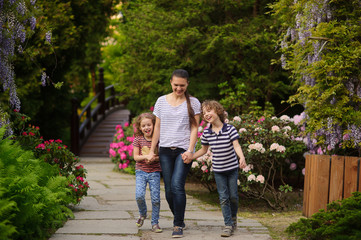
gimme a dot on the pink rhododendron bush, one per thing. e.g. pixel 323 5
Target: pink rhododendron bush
pixel 274 152
pixel 121 149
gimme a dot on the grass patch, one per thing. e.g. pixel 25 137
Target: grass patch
pixel 275 221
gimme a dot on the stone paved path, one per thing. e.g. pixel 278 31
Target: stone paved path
pixel 109 212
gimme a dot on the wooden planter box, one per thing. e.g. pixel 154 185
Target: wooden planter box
pixel 329 178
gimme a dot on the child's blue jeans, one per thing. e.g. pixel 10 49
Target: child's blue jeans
pixel 228 194
pixel 141 180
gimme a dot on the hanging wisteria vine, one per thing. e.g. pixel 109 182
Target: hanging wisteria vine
pixel 17 23
pixel 319 46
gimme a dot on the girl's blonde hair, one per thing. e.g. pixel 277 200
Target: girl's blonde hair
pixel 216 106
pixel 139 120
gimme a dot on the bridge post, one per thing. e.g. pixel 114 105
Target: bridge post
pixel 101 90
pixel 74 127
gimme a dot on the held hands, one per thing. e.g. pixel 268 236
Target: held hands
pixel 150 158
pixel 187 157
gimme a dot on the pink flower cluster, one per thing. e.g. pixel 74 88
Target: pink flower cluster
pixel 119 150
pixel 48 144
pixel 253 177
pixel 204 162
pixel 278 148
pixel 257 147
pixel 275 129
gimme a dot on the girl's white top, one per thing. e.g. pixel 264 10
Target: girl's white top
pixel 174 122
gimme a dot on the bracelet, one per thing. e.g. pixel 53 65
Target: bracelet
pixel 189 151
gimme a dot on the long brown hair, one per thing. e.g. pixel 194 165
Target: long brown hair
pixel 181 73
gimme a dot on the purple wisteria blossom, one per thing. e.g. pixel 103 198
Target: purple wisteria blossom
pixel 44 77
pixel 12 36
pixel 334 132
pixel 21 8
pixel 48 37
pixel 32 23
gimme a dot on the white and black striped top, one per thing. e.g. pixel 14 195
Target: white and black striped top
pixel 174 122
pixel 224 156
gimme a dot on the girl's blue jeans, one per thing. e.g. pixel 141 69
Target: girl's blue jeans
pixel 228 194
pixel 141 180
pixel 174 172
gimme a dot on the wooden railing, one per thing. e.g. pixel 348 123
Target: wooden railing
pixel 83 124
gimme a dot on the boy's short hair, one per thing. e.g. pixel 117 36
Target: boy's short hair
pixel 217 107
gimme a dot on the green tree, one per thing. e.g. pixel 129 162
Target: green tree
pixel 77 30
pixel 228 44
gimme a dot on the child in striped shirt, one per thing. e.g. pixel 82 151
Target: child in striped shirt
pixel 146 171
pixel 223 140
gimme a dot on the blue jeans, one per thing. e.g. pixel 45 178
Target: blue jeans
pixel 228 194
pixel 174 172
pixel 141 180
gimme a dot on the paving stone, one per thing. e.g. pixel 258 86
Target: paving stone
pixel 200 215
pixel 249 224
pixel 101 215
pixel 211 223
pixel 92 237
pixel 99 227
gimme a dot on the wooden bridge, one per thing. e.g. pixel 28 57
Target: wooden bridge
pixel 93 129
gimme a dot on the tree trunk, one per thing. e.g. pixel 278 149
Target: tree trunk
pixel 255 8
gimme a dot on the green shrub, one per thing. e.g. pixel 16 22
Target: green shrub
pixel 54 152
pixel 7 212
pixel 342 221
pixel 35 196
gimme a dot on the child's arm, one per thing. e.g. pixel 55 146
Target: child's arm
pixel 137 156
pixel 200 152
pixel 238 149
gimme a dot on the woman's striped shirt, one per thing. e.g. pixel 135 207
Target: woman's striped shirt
pixel 174 122
pixel 224 157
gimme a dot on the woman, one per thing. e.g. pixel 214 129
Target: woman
pixel 177 117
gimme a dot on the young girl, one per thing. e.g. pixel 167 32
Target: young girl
pixel 223 139
pixel 146 171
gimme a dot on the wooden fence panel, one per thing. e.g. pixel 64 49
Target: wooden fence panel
pixel 350 181
pixel 327 179
pixel 306 190
pixel 336 178
pixel 319 181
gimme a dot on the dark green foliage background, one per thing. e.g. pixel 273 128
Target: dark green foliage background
pixel 218 42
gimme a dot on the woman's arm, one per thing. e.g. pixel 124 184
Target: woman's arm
pixel 192 142
pixel 238 149
pixel 155 138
